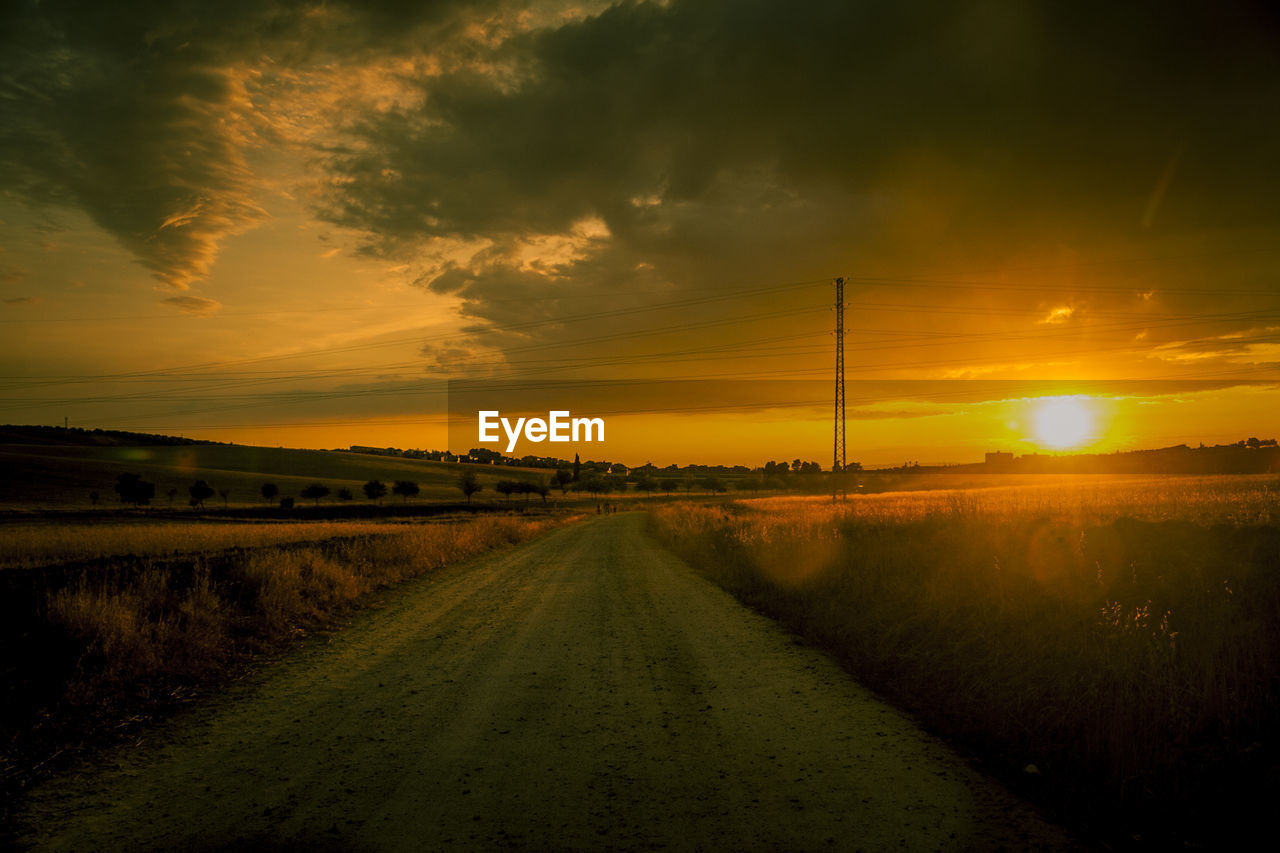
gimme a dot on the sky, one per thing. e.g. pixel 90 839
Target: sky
pixel 292 223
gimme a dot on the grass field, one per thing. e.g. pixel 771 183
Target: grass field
pixel 63 476
pixel 1111 645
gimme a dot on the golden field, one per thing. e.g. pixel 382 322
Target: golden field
pixel 1111 645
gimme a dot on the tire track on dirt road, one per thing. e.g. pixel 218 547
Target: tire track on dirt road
pixel 586 690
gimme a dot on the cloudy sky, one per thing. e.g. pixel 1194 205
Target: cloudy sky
pixel 290 222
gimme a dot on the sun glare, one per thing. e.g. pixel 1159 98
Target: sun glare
pixel 1063 422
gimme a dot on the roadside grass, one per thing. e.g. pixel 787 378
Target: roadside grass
pixel 1116 653
pixel 89 643
pixel 186 625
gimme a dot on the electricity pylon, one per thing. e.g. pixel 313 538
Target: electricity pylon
pixel 838 450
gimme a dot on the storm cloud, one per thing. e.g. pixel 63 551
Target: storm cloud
pixel 1047 122
pixel 528 157
pixel 145 116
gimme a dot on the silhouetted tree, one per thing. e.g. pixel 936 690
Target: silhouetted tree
pixel 577 468
pixel 562 478
pixel 224 494
pixel 646 484
pixel 467 483
pixel 344 494
pixel 776 470
pixel 134 490
pixel 670 484
pixel 374 490
pixel 269 492
pixel 542 489
pixel 405 489
pixel 315 492
pixel 200 491
pixel 506 488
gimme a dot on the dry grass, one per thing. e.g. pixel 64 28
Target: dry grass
pixel 1122 636
pixel 160 621
pixel 148 628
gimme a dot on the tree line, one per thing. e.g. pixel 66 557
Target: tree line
pixel 133 489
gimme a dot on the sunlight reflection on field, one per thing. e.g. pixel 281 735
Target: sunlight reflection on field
pixel 1230 499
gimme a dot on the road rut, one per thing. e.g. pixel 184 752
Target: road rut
pixel 586 690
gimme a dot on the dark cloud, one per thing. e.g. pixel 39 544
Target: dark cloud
pixel 667 148
pixel 720 104
pixel 144 114
pixel 121 116
pixel 728 141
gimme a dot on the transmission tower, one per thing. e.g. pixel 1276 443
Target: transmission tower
pixel 838 450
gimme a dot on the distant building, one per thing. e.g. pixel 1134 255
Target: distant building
pixel 999 457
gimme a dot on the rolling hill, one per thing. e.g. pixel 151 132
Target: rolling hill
pixel 63 475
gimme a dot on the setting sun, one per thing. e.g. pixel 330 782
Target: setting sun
pixel 1063 422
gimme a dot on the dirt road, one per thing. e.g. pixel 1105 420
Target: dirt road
pixel 584 691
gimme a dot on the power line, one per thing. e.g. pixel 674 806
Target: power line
pixel 331 395
pixel 908 339
pixel 468 334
